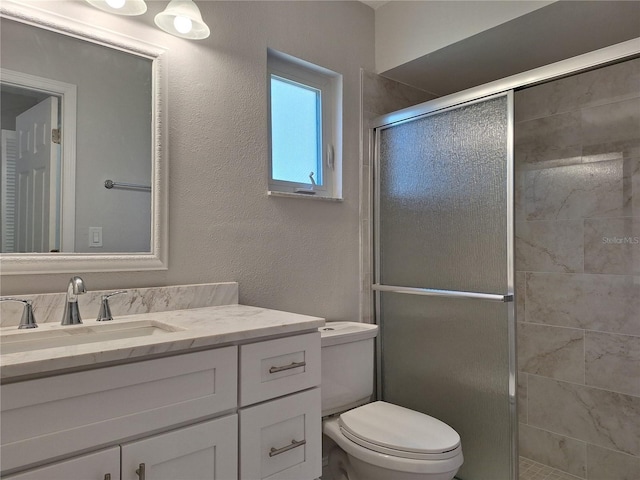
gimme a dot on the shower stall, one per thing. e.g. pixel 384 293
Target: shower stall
pixel 443 264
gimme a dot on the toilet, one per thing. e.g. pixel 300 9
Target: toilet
pixel 376 440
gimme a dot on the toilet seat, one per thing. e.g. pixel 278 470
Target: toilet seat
pixel 331 428
pixel 393 430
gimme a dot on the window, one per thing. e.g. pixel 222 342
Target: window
pixel 304 128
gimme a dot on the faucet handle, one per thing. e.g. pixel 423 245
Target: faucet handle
pixel 104 315
pixel 28 319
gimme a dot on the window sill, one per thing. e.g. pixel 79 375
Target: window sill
pixel 273 193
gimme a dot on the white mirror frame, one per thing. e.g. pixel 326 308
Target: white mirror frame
pixel 157 258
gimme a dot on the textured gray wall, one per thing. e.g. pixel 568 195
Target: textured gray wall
pixel 288 254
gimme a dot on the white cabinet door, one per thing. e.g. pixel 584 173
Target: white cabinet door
pixel 103 465
pixel 281 439
pixel 207 450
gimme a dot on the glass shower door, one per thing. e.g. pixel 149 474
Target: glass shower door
pixel 444 275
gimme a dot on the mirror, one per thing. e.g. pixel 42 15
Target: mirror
pixel 82 184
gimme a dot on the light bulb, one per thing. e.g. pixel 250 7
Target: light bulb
pixel 116 3
pixel 182 24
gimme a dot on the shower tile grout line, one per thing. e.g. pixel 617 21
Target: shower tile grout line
pixel 531 470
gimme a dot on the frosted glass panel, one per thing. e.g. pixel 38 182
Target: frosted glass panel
pixel 449 358
pixel 443 223
pixel 443 200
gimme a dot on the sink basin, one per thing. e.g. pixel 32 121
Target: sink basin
pixel 79 335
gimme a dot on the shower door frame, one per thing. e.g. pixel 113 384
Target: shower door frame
pixel 588 61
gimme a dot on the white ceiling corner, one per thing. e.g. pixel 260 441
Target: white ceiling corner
pixel 374 3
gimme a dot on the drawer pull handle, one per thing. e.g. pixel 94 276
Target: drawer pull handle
pixel 107 476
pixel 277 451
pixel 140 471
pixel 287 367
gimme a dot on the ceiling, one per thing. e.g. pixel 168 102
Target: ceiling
pixel 374 3
pixel 555 32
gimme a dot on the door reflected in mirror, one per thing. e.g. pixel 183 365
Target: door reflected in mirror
pixel 74 114
pixel 30 174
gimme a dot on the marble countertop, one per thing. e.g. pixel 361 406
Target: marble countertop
pixel 181 330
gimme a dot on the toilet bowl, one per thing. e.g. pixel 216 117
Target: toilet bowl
pixel 378 440
pixel 383 441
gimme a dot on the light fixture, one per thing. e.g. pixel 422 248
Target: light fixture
pixel 182 18
pixel 120 7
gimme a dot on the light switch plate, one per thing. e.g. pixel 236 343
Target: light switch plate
pixel 95 237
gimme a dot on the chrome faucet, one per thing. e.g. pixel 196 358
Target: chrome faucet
pixel 28 320
pixel 104 315
pixel 71 314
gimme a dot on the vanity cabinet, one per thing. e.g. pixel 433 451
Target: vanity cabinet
pixel 239 412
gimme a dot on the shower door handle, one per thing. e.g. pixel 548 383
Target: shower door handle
pixel 493 297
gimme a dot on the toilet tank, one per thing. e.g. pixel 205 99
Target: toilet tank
pixel 347 365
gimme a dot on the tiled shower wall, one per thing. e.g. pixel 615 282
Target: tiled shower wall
pixel 379 96
pixel 577 153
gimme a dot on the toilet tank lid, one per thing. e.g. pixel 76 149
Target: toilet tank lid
pixel 335 333
pixel 399 428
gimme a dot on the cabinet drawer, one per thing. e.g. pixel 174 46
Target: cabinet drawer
pixel 281 439
pixel 49 417
pixel 103 465
pixel 278 367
